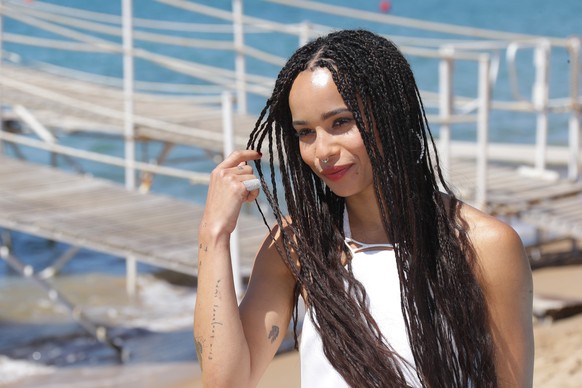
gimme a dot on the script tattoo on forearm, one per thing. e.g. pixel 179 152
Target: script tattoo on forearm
pixel 214 322
pixel 274 333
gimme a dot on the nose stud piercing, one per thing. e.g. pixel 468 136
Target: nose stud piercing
pixel 324 161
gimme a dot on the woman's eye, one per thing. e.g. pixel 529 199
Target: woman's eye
pixel 303 132
pixel 342 121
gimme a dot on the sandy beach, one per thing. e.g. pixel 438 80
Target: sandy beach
pixel 558 360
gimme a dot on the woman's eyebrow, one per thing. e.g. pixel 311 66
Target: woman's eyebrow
pixel 334 112
pixel 324 116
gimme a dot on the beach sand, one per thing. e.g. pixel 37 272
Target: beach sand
pixel 558 360
pixel 282 373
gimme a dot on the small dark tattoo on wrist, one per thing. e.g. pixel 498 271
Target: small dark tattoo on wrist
pixel 199 349
pixel 203 248
pixel 274 333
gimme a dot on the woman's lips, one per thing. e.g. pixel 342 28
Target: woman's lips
pixel 335 173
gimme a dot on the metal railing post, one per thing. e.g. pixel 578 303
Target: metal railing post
pixel 484 100
pixel 304 33
pixel 1 73
pixel 575 158
pixel 128 84
pixel 228 133
pixel 541 96
pixel 445 106
pixel 239 64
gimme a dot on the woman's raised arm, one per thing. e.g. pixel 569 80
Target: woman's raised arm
pixel 234 348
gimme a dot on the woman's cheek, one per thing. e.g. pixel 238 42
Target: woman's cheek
pixel 305 154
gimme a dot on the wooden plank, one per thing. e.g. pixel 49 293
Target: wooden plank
pixel 173 110
pixel 509 192
pixel 562 216
pixel 100 215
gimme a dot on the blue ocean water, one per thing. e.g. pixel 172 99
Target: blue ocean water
pixel 535 17
pixel 532 17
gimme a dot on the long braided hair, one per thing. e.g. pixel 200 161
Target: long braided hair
pixel 442 303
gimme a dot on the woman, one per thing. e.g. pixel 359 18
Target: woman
pixel 404 285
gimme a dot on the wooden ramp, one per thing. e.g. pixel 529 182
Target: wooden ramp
pixel 551 204
pixel 562 216
pixel 512 190
pixel 103 216
pixel 73 105
pixel 100 215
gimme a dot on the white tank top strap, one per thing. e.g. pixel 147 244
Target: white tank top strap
pixel 356 246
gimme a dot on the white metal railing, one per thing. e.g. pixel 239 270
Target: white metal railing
pixel 452 108
pixel 228 147
pixel 193 177
pixel 434 27
pixel 575 159
pixel 57 18
pixel 79 28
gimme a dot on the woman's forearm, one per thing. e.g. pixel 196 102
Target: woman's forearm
pixel 222 348
pixel 220 341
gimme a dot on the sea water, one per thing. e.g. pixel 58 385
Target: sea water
pixel 36 335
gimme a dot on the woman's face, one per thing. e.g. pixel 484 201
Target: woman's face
pixel 329 140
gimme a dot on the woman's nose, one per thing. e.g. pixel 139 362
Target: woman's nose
pixel 325 145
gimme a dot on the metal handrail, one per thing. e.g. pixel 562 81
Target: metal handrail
pixel 453 108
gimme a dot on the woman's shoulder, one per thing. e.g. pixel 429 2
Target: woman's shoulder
pixel 486 231
pixel 499 250
pixel 483 229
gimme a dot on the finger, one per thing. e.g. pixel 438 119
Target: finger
pixel 238 157
pixel 243 168
pixel 252 195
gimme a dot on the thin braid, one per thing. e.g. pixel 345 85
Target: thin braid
pixel 442 303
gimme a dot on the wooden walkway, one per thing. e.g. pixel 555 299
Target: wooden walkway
pixel 551 205
pixel 560 217
pixel 67 104
pixel 73 105
pixel 162 231
pixel 510 190
pixel 100 215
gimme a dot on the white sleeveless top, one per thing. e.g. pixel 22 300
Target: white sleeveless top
pixel 374 265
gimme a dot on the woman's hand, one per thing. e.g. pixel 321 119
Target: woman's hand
pixel 227 192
